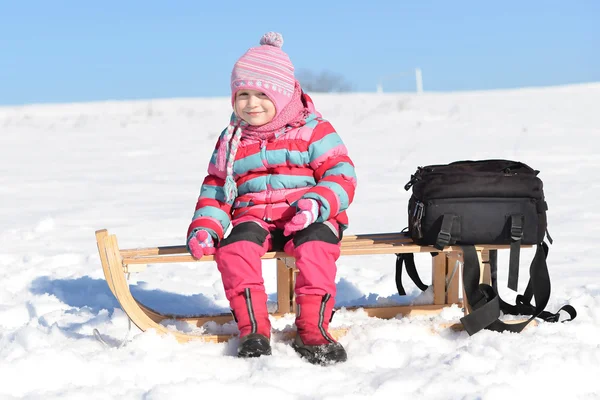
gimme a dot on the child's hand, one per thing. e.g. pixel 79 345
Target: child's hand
pixel 308 212
pixel 201 244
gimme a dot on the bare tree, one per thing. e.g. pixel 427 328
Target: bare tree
pixel 324 82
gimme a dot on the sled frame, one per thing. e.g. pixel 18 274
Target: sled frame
pixel 446 272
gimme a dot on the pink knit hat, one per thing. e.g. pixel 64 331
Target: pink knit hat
pixel 265 68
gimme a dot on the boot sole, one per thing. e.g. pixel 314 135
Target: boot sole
pixel 334 356
pixel 254 345
pixel 253 353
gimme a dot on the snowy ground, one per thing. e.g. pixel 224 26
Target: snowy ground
pixel 135 168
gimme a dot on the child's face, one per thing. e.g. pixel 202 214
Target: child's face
pixel 254 107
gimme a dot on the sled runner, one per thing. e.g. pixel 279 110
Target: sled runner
pixel 446 272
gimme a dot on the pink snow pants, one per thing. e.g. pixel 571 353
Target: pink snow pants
pixel 316 249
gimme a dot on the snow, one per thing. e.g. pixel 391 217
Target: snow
pixel 135 168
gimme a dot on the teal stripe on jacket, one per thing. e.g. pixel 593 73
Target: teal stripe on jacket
pixel 275 182
pixel 282 156
pixel 251 162
pixel 342 168
pixel 312 121
pixel 273 157
pixel 214 212
pixel 320 147
pixel 213 192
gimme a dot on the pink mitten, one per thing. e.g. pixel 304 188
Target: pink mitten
pixel 201 244
pixel 308 212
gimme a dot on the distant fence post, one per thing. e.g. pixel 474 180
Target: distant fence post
pixel 419 79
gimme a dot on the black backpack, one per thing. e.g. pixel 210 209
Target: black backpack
pixel 486 202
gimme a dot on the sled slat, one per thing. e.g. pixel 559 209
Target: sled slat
pixel 173 254
pixel 388 239
pixel 345 251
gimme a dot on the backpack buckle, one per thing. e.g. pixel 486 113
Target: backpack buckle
pixel 443 240
pixel 516 227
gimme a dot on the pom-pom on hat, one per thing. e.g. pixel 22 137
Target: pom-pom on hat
pixel 265 68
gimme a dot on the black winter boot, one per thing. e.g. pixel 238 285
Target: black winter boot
pixel 254 345
pixel 323 354
pixel 313 341
pixel 250 312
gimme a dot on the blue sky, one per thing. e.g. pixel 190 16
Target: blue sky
pixel 72 51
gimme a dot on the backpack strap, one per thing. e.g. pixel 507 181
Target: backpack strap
pixel 516 237
pixel 486 304
pixel 444 237
pixel 411 269
pixel 523 304
pixel 493 261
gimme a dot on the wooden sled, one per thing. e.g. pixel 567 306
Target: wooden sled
pixel 117 263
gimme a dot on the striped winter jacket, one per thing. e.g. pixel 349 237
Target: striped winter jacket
pixel 309 161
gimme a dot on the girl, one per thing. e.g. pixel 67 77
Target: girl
pixel 281 176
